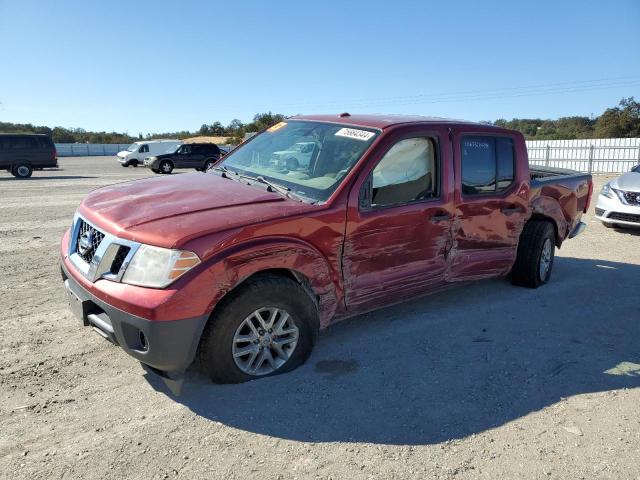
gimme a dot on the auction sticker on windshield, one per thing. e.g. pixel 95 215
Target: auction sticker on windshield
pixel 355 133
pixel 277 127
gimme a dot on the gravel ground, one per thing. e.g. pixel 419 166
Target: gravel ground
pixel 483 381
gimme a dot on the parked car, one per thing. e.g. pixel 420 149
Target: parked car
pixel 619 201
pixel 21 154
pixel 245 264
pixel 138 151
pixel 200 156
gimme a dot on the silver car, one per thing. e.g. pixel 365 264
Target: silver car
pixel 619 201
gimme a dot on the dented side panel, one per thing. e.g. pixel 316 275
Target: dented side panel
pixel 398 252
pixel 487 227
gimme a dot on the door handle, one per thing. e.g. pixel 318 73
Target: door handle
pixel 510 209
pixel 441 217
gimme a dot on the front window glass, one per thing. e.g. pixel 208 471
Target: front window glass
pixel 310 158
pixel 405 173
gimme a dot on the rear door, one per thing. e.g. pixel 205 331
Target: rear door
pixel 196 159
pixel 399 221
pixel 491 203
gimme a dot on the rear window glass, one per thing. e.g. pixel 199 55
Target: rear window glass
pixel 487 164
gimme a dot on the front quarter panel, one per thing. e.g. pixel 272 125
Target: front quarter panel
pixel 308 245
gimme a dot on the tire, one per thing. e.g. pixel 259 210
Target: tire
pixel 165 167
pixel 220 339
pixel 208 164
pixel 536 252
pixel 155 170
pixel 125 165
pixel 22 170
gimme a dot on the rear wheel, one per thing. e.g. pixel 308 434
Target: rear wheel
pixel 208 164
pixel 536 252
pixel 267 327
pixel 21 170
pixel 166 166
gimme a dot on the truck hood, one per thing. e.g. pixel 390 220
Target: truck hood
pixel 170 211
pixel 629 182
pixel 123 153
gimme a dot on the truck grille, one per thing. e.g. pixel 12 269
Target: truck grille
pixel 88 240
pixel 632 198
pixel 624 217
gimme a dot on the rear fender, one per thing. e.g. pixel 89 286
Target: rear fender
pixel 546 208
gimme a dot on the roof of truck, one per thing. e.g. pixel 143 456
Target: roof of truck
pixel 383 121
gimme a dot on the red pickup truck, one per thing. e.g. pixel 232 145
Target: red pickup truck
pixel 313 220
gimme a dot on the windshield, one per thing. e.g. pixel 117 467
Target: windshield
pixel 133 147
pixel 310 158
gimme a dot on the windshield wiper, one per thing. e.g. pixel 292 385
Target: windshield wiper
pixel 274 186
pixel 224 170
pixel 271 186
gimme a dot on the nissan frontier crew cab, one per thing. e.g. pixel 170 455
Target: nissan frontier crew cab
pixel 243 265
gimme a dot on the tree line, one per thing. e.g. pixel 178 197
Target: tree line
pixel 616 122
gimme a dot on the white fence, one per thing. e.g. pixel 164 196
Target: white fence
pixel 598 155
pixel 89 149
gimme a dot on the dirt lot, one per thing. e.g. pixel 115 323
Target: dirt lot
pixel 485 381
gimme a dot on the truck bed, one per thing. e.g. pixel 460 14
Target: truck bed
pixel 562 194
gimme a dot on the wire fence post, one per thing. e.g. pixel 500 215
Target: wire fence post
pixel 591 159
pixel 546 156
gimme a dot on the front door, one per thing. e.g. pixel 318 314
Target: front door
pixel 491 203
pixel 399 221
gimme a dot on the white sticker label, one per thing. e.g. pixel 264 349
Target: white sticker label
pixel 355 133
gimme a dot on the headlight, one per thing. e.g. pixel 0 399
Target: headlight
pixel 607 191
pixel 158 267
pixel 151 159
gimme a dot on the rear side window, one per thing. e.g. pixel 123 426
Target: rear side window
pixel 405 174
pixel 44 142
pixel 20 143
pixel 487 164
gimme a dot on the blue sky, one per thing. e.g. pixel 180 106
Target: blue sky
pixel 157 66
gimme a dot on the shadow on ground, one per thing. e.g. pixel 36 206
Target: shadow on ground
pixel 447 366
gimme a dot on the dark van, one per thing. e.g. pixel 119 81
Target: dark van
pixel 21 154
pixel 200 156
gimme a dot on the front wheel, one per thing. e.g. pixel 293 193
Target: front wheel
pixel 267 327
pixel 536 252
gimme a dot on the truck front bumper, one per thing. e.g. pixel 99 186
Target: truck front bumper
pixel 168 347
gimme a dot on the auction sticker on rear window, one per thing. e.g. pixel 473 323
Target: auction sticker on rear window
pixel 355 133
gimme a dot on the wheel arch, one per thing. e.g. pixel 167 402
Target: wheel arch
pixel 545 218
pixel 286 258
